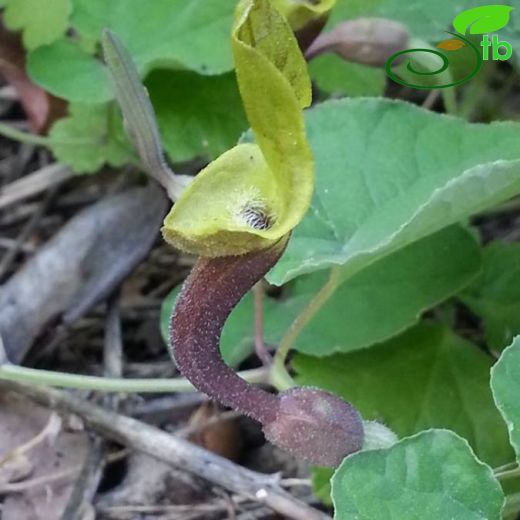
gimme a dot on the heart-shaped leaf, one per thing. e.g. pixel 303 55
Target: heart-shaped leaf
pixel 430 476
pixel 389 173
pixel 427 377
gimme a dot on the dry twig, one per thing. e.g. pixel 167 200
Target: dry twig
pixel 174 451
pixel 33 184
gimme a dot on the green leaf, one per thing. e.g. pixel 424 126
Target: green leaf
pixel 378 303
pixel 89 137
pixel 165 33
pixel 388 296
pixel 67 71
pixel 431 476
pixel 481 20
pixel 505 383
pixel 427 377
pixel 495 294
pixel 197 115
pixel 42 22
pixel 321 478
pixel 336 76
pixel 389 173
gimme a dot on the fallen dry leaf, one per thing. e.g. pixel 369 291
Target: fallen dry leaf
pixel 80 266
pixel 221 436
pixel 21 421
pixel 151 481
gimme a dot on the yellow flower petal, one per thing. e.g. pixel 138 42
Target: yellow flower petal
pixel 254 194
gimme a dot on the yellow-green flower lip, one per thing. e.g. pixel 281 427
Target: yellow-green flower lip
pixel 254 194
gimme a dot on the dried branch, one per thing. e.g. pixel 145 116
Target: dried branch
pixel 174 451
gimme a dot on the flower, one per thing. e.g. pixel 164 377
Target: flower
pixel 254 194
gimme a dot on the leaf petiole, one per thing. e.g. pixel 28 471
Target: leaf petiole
pixel 280 377
pixel 507 474
pixel 10 132
pixel 20 374
pixel 23 137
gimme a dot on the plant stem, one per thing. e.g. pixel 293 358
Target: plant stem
pixel 280 377
pixel 10 132
pixel 508 473
pixel 476 91
pixel 23 137
pixel 450 100
pixel 10 372
pixel 512 506
pixel 505 467
pixel 260 349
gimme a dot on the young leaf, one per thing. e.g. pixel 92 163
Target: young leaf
pixel 135 104
pixel 253 195
pixel 495 294
pixel 89 137
pixel 389 173
pixel 430 476
pixel 481 20
pixel 41 22
pixel 426 378
pixel 138 114
pixel 505 383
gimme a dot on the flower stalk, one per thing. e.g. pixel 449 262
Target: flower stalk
pixel 310 423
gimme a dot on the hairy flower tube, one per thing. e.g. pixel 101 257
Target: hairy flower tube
pixel 237 215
